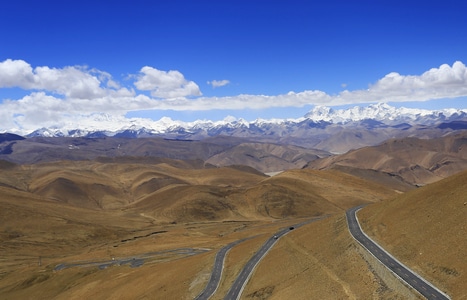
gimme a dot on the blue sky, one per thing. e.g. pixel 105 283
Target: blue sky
pixel 210 59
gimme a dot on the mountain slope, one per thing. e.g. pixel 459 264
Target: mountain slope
pixel 218 151
pixel 158 209
pixel 266 157
pixel 425 229
pixel 291 194
pixel 417 161
pixel 40 149
pixel 168 192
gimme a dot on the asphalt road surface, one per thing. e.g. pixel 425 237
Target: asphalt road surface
pixel 239 283
pixel 408 276
pixel 133 261
pixel 216 274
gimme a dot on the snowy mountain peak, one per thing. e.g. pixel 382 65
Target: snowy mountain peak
pixel 379 112
pixel 111 125
pixel 321 113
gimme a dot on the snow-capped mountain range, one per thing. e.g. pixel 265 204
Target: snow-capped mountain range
pixel 101 125
pixel 384 113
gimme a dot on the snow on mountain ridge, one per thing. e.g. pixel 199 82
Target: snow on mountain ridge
pixel 110 125
pixel 379 112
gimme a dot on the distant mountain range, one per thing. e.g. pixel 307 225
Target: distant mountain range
pixel 370 138
pixel 321 128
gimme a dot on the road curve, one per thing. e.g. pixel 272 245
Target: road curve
pixel 216 274
pixel 404 273
pixel 237 288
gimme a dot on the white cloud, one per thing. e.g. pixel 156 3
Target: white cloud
pixel 16 73
pixel 33 109
pixel 56 94
pixel 162 84
pixel 442 82
pixel 218 83
pixel 72 82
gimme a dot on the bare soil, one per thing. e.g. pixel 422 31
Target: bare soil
pixel 87 211
pixel 426 230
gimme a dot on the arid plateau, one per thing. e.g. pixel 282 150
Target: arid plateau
pixel 119 218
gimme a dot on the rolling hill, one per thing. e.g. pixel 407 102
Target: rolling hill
pixel 81 199
pixel 415 161
pixel 425 229
pixel 175 190
pixel 266 157
pixel 219 151
pixel 78 211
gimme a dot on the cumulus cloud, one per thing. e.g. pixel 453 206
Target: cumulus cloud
pixel 442 82
pixel 72 82
pixel 56 94
pixel 162 84
pixel 16 73
pixel 218 83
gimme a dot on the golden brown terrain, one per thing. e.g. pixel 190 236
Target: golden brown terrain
pixel 318 261
pixel 267 157
pixel 415 161
pixel 426 229
pixel 173 214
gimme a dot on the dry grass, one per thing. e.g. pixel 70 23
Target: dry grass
pixel 416 161
pixel 317 261
pixel 426 230
pixel 50 210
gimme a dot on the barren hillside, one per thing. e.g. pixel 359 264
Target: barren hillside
pixel 267 157
pixel 219 151
pixel 319 261
pixel 416 161
pixel 173 190
pixel 175 215
pixel 426 230
pixel 88 211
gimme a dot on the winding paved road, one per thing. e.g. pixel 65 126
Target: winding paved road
pixel 408 276
pixel 242 279
pixel 216 274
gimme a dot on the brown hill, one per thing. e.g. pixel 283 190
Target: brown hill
pixel 388 180
pixel 34 150
pixel 341 139
pixel 426 230
pixel 267 157
pixel 219 151
pixel 172 190
pixel 32 226
pixel 74 212
pixel 416 161
pixel 112 185
pixel 319 261
pixel 291 194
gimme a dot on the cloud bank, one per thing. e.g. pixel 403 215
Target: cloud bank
pixel 56 94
